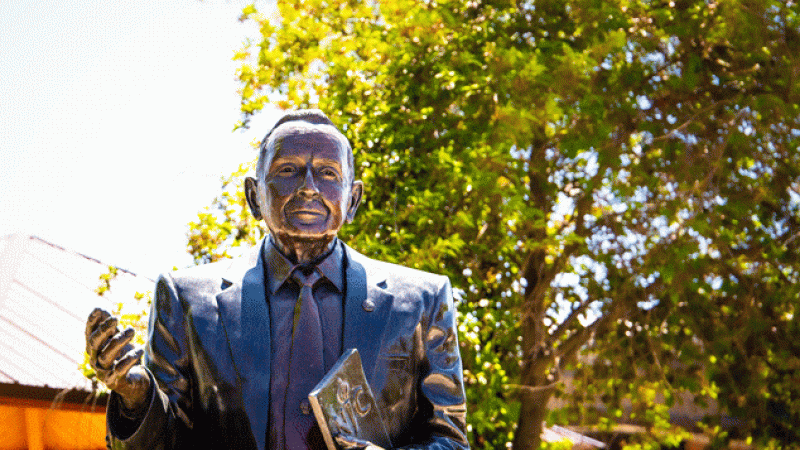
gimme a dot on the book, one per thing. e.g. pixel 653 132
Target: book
pixel 343 403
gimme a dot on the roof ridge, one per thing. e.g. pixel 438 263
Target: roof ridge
pixel 90 258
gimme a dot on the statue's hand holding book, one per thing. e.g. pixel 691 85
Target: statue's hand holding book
pixel 345 408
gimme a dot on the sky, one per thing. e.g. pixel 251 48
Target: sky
pixel 116 122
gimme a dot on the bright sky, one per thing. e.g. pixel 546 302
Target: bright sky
pixel 115 122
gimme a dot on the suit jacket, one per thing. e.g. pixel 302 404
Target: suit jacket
pixel 208 352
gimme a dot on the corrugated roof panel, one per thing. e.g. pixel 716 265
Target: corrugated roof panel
pixel 77 278
pixel 44 321
pixel 33 362
pixel 22 357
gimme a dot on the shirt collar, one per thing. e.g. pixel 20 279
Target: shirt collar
pixel 279 268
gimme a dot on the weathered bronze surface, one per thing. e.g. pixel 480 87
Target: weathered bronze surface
pixel 205 377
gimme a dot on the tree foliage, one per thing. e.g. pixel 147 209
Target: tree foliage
pixel 621 177
pixel 226 224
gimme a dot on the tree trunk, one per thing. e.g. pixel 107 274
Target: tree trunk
pixel 531 417
pixel 535 390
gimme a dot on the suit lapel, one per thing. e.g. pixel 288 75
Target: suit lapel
pixel 245 315
pixel 366 309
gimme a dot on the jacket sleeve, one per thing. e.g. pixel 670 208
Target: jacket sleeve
pixel 167 420
pixel 442 400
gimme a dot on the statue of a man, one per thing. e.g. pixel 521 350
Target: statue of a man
pixel 234 347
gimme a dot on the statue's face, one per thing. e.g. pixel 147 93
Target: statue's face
pixel 305 190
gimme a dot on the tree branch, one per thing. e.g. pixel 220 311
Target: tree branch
pixel 571 318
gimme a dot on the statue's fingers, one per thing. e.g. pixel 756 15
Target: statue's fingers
pixel 104 331
pixel 97 316
pixel 123 366
pixel 114 347
pixel 349 442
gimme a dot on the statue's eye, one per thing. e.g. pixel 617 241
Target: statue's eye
pixel 286 170
pixel 328 172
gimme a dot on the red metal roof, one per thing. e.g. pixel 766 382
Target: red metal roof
pixel 46 294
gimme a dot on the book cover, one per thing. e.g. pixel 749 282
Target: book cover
pixel 343 403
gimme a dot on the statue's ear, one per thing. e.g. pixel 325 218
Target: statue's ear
pixel 356 192
pixel 251 193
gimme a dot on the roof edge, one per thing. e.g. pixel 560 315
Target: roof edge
pixel 67 250
pixel 15 394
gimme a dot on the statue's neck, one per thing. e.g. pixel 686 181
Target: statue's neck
pixel 304 250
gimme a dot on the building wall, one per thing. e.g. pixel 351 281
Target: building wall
pixel 24 426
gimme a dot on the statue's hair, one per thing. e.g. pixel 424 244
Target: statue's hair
pixel 312 116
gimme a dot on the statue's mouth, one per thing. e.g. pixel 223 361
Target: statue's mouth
pixel 308 211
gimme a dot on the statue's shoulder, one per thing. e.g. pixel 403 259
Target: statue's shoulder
pixel 203 279
pixel 396 275
pixel 208 270
pixel 231 269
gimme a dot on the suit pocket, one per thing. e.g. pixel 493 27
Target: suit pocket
pixel 399 378
pixel 402 333
pixel 398 362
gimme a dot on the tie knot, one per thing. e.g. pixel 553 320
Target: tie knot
pixel 306 275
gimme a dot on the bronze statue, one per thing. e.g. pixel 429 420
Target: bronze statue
pixel 234 347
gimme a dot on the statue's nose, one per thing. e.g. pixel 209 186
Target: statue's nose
pixel 309 187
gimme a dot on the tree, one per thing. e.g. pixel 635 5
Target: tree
pixel 226 224
pixel 622 177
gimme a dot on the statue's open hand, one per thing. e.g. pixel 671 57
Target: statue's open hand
pixel 115 360
pixel 346 442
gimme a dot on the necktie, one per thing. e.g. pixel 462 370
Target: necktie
pixel 306 362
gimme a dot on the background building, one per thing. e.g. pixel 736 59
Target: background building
pixel 46 294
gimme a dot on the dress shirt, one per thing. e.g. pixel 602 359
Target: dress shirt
pixel 282 294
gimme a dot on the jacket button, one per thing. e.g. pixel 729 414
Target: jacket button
pixel 368 305
pixel 305 407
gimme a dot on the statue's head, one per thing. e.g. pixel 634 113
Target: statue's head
pixel 305 187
